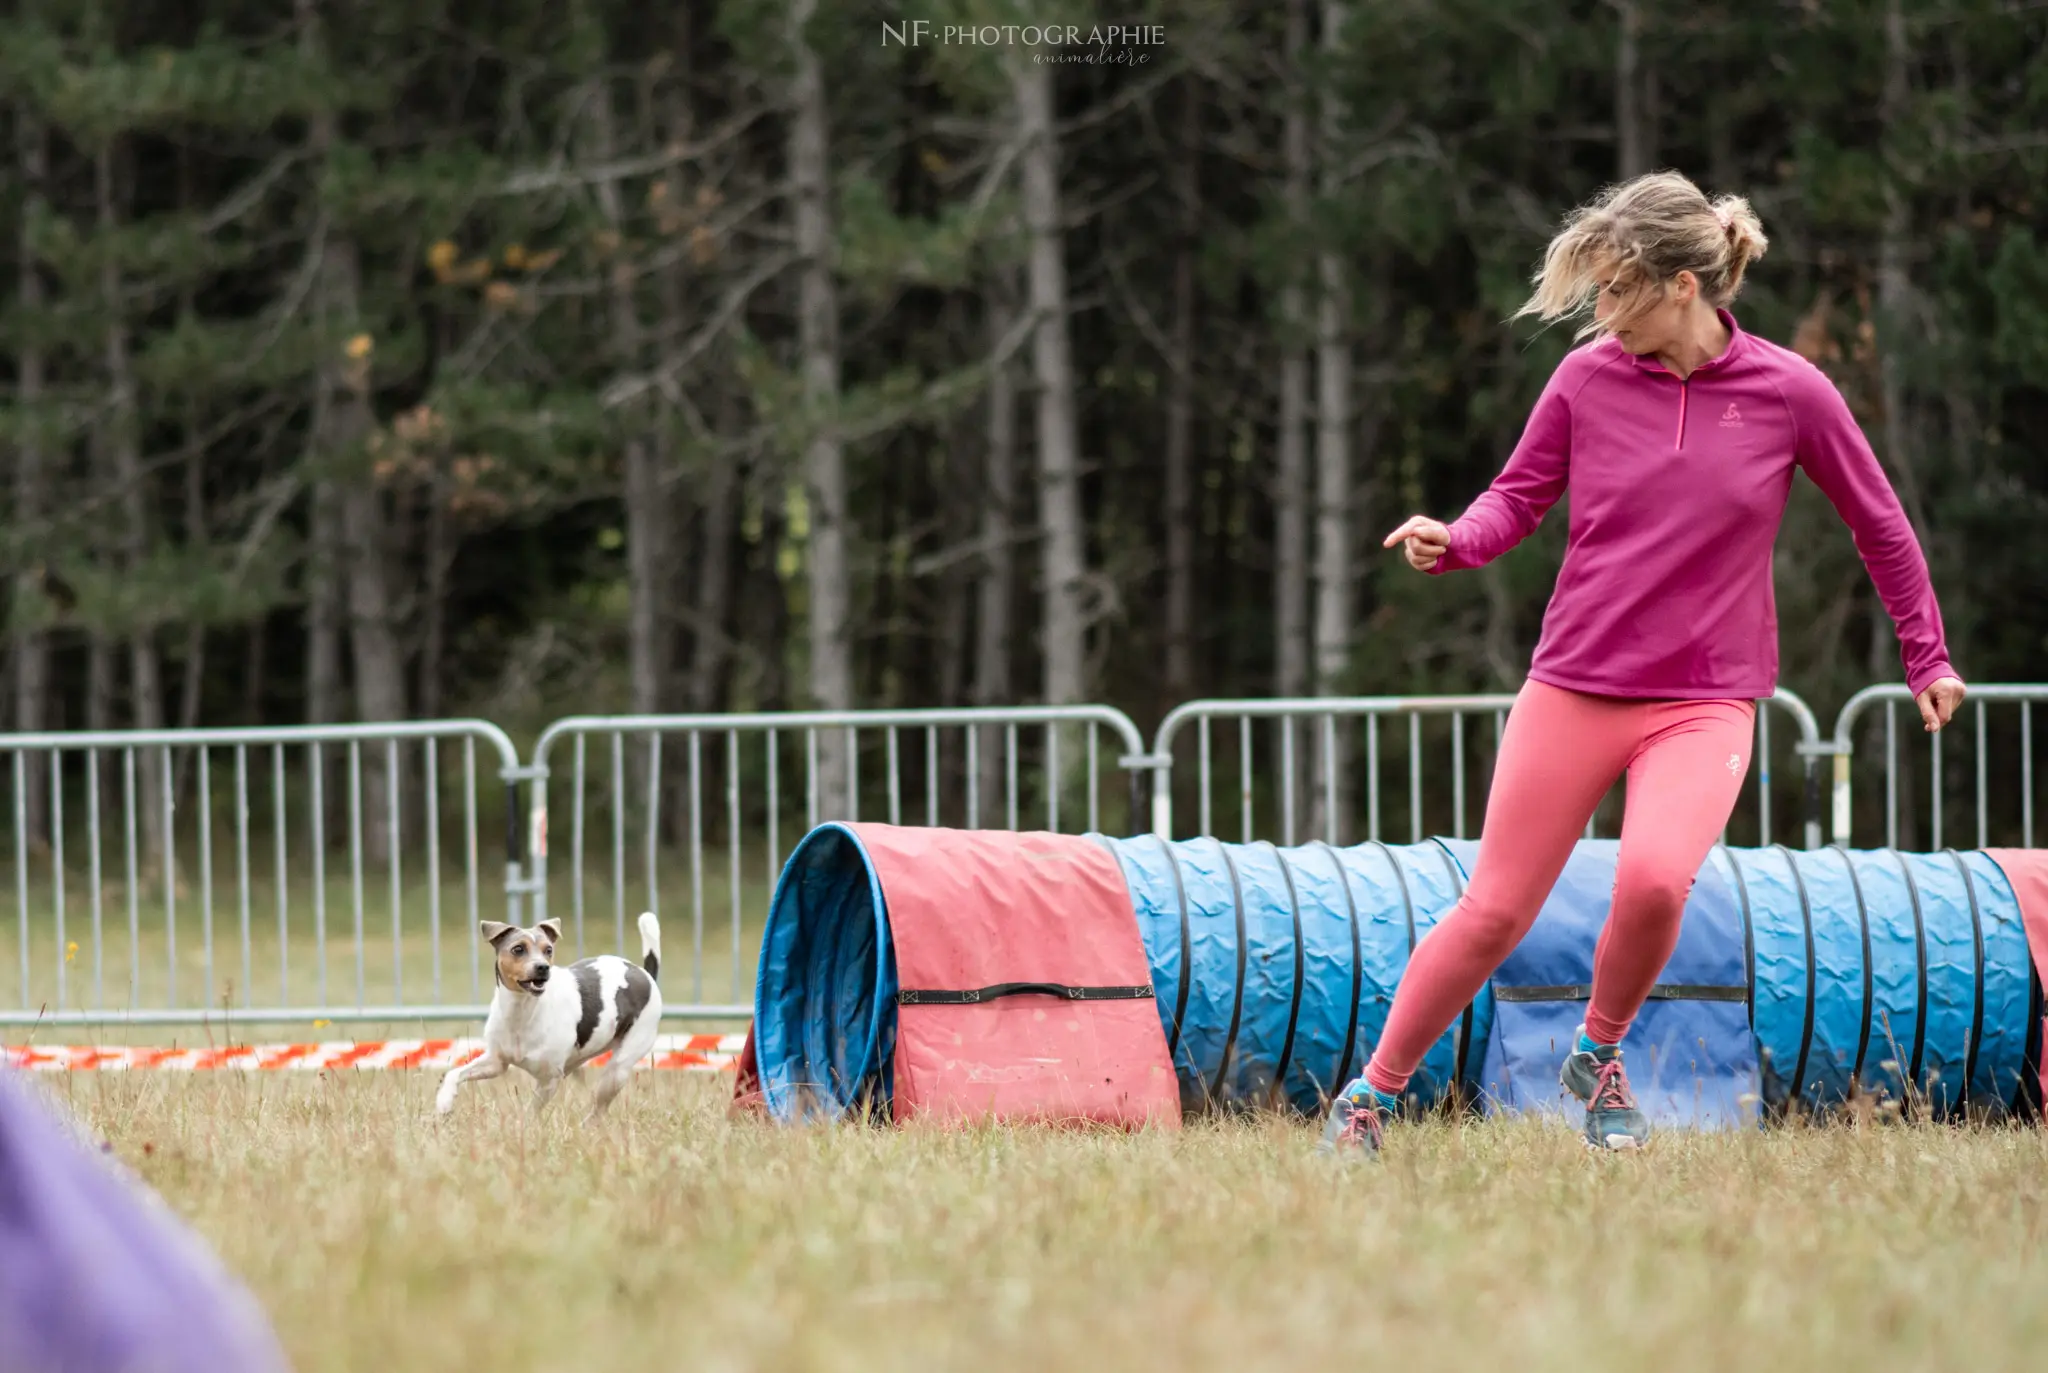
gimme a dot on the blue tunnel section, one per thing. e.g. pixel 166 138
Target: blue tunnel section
pixel 1273 968
pixel 1906 973
pixel 1799 976
pixel 825 991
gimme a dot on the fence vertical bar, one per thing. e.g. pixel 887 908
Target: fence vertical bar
pixel 317 812
pixel 1763 774
pixel 1052 778
pixel 21 867
pixel 1094 769
pixel 696 866
pixel 895 783
pixel 1415 778
pixel 56 771
pixel 810 779
pixel 1244 777
pixel 2026 774
pixel 470 859
pixel 774 816
pixel 1010 772
pixel 433 776
pixel 1934 783
pixel 1458 774
pixel 973 777
pixel 93 843
pixel 931 775
pixel 654 835
pixel 391 857
pixel 1287 780
pixel 619 829
pixel 732 830
pixel 1330 780
pixel 134 886
pixel 1983 819
pixel 169 859
pixel 355 855
pixel 277 830
pixel 1202 737
pixel 248 987
pixel 1372 776
pixel 852 773
pixel 577 774
pixel 1891 776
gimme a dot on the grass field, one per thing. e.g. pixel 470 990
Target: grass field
pixel 677 1239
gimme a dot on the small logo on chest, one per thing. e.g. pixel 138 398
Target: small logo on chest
pixel 1731 418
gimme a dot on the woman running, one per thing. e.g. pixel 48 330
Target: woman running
pixel 1677 435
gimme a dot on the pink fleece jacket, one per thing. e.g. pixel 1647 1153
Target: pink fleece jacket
pixel 1678 488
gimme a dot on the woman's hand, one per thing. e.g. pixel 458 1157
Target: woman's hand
pixel 1428 541
pixel 1939 701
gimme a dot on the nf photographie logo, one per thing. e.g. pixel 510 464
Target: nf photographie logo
pixel 1117 44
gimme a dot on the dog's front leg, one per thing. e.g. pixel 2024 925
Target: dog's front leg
pixel 487 1065
pixel 545 1092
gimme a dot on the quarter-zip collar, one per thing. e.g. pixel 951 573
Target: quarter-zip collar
pixel 1648 362
pixel 1737 342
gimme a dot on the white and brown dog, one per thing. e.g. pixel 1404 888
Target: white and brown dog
pixel 552 1021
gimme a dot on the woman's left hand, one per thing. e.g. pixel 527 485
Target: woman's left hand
pixel 1939 701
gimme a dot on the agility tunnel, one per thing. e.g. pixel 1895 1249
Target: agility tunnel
pixel 923 973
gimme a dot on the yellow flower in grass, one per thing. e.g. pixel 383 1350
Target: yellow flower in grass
pixel 71 951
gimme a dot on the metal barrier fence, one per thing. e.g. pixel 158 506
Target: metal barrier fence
pixel 189 877
pixel 1319 780
pixel 281 820
pixel 991 768
pixel 2014 765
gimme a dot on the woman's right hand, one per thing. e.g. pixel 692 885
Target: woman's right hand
pixel 1427 541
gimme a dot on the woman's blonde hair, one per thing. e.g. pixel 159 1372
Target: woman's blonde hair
pixel 1645 232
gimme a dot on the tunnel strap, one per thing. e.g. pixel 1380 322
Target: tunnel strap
pixel 1583 991
pixel 1357 962
pixel 1748 932
pixel 1300 973
pixel 974 996
pixel 1465 1020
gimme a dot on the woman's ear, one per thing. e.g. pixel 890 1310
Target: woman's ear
pixel 1685 287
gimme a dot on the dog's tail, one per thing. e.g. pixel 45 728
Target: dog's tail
pixel 650 944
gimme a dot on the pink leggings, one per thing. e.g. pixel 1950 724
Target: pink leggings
pixel 1560 753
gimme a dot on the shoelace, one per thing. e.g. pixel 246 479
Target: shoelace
pixel 1610 1088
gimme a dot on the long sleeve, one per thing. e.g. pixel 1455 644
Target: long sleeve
pixel 1832 450
pixel 1508 511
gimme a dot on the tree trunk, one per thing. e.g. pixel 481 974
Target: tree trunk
pixel 31 480
pixel 1334 482
pixel 145 663
pixel 366 552
pixel 996 592
pixel 440 554
pixel 1059 462
pixel 713 582
pixel 255 662
pixel 830 598
pixel 1290 494
pixel 1180 408
pixel 1635 96
pixel 1894 278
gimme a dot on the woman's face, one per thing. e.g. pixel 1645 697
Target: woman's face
pixel 1658 320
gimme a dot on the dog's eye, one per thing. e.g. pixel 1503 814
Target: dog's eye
pixel 518 949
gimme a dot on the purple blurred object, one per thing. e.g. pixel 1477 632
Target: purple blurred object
pixel 96 1273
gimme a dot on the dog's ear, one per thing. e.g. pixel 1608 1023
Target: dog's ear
pixel 551 930
pixel 494 930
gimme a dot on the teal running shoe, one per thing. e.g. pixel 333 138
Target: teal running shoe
pixel 1357 1123
pixel 1613 1121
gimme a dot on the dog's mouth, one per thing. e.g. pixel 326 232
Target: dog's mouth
pixel 535 985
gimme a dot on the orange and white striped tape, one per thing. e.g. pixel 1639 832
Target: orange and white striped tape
pixel 691 1053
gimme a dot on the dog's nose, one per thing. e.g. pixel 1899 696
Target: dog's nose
pixel 540 974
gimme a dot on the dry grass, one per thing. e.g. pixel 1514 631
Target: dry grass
pixel 679 1240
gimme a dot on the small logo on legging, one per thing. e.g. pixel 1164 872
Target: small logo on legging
pixel 1735 765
